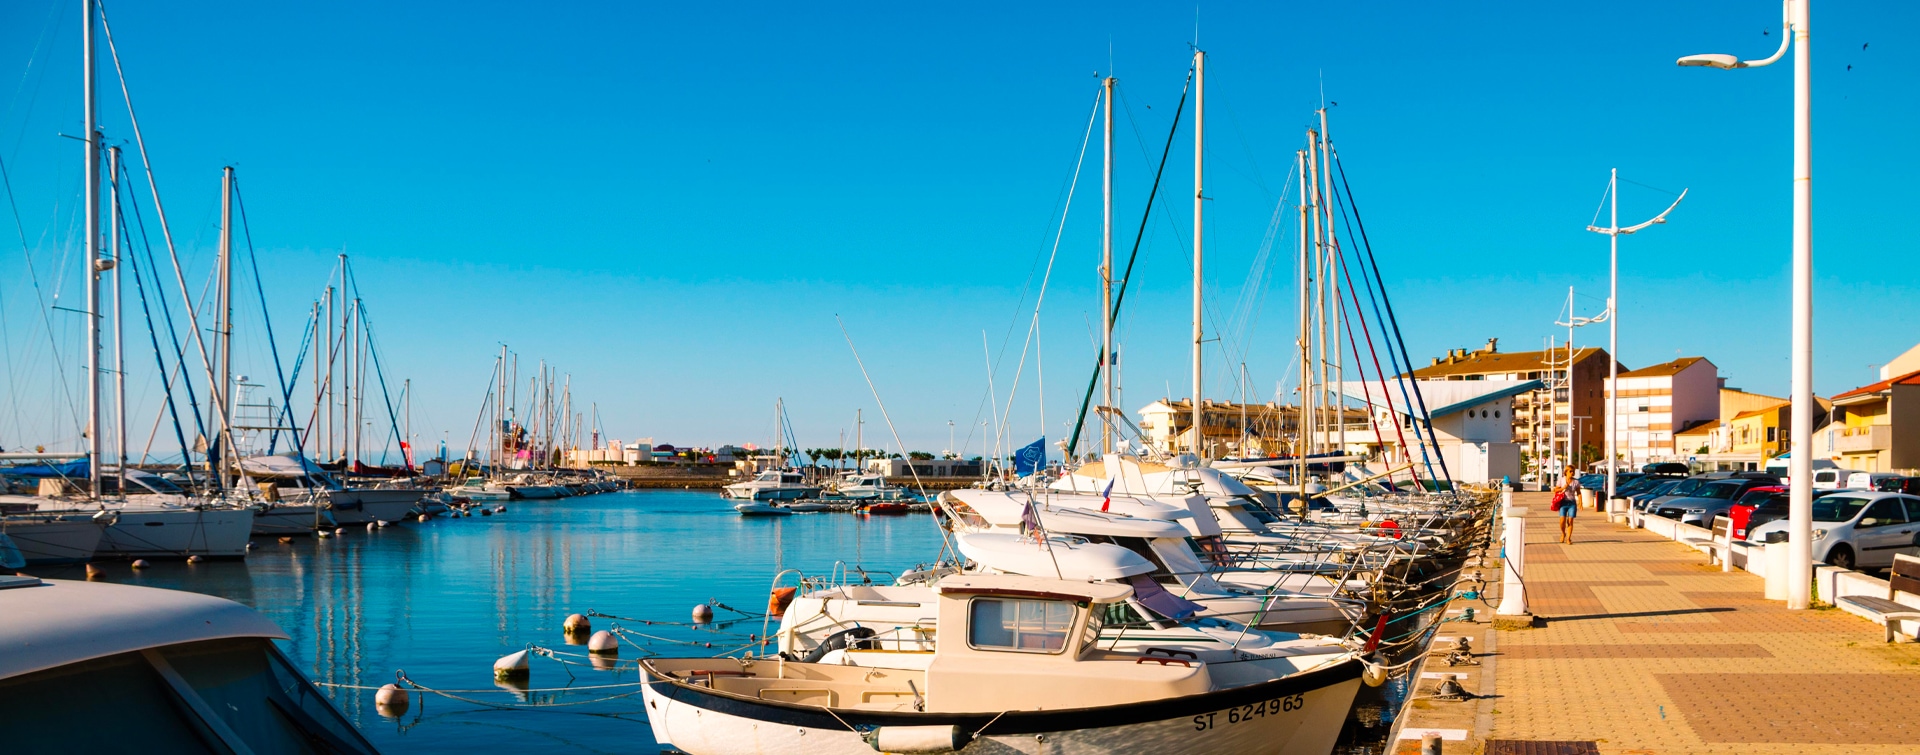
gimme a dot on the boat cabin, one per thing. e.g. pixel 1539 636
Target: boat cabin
pixel 1010 643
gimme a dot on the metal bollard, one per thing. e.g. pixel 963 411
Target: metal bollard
pixel 1430 744
pixel 1513 595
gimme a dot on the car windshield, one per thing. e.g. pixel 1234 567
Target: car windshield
pixel 1837 508
pixel 1664 488
pixel 1718 491
pixel 1685 486
pixel 1641 484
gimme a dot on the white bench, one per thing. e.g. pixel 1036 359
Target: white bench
pixel 1903 577
pixel 1719 544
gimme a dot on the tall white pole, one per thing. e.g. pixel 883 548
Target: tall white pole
pixel 1199 200
pixel 1800 465
pixel 1613 332
pixel 93 250
pixel 119 346
pixel 1106 281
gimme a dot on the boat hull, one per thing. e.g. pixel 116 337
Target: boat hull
pixel 178 533
pixel 55 539
pixel 758 508
pixel 537 491
pixel 290 519
pixel 1296 715
pixel 369 505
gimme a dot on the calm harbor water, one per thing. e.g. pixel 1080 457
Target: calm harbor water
pixel 444 598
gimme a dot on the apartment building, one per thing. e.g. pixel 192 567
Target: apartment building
pixel 1653 403
pixel 1876 428
pixel 1228 429
pixel 1567 404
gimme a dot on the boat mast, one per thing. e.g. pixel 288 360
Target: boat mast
pixel 225 325
pixel 357 390
pixel 1106 278
pixel 1303 423
pixel 1199 199
pixel 326 391
pixel 93 250
pixel 1319 253
pixel 119 346
pixel 1338 402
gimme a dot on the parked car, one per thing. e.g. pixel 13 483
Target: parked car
pixel 1854 529
pixel 1650 492
pixel 1715 498
pixel 1758 506
pixel 1898 484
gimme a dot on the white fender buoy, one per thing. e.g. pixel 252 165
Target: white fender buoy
pixel 95 572
pixel 323 533
pixel 194 559
pixel 423 517
pixel 499 509
pixel 576 624
pixel 486 512
pixel 603 642
pixel 249 545
pixel 369 526
pixel 1373 674
pixel 511 667
pixel 339 530
pixel 140 563
pixel 382 523
pixel 702 613
pixel 392 700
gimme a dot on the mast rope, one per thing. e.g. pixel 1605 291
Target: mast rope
pixel 286 387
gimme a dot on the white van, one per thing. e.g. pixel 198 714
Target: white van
pixel 1777 466
pixel 1869 480
pixel 1834 479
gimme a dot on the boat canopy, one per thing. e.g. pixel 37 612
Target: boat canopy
pixel 281 466
pixel 61 622
pixel 1068 558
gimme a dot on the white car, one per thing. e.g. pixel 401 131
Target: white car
pixel 1856 529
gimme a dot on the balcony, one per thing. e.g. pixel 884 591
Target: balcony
pixel 1868 438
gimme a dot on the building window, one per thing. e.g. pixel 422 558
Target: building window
pixel 1773 434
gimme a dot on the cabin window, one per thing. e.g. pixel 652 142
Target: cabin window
pixel 1022 626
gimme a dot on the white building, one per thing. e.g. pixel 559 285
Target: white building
pixel 1655 402
pixel 1472 424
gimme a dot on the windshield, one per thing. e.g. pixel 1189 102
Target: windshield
pixel 1718 491
pixel 1685 487
pixel 1662 488
pixel 1837 508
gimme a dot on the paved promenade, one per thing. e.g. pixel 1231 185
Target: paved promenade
pixel 1647 650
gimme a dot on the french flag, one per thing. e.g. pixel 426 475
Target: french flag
pixel 1106 496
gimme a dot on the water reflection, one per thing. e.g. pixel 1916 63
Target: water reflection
pixel 443 599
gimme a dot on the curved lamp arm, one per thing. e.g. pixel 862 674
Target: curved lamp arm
pixel 1722 61
pixel 1660 218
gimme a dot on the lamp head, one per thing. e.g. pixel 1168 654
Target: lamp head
pixel 1712 60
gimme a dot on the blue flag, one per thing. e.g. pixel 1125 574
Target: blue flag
pixel 1030 459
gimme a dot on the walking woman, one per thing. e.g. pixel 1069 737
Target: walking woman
pixel 1567 500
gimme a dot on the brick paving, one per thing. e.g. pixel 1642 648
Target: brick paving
pixel 1647 650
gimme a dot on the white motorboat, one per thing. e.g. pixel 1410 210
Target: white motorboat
pixel 762 508
pixel 772 485
pixel 869 487
pixel 55 538
pixel 480 489
pixel 171 672
pixel 1031 669
pixel 1266 598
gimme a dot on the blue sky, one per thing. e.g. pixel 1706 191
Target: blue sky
pixel 671 202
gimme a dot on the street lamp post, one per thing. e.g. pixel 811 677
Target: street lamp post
pixel 1612 315
pixel 1794 32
